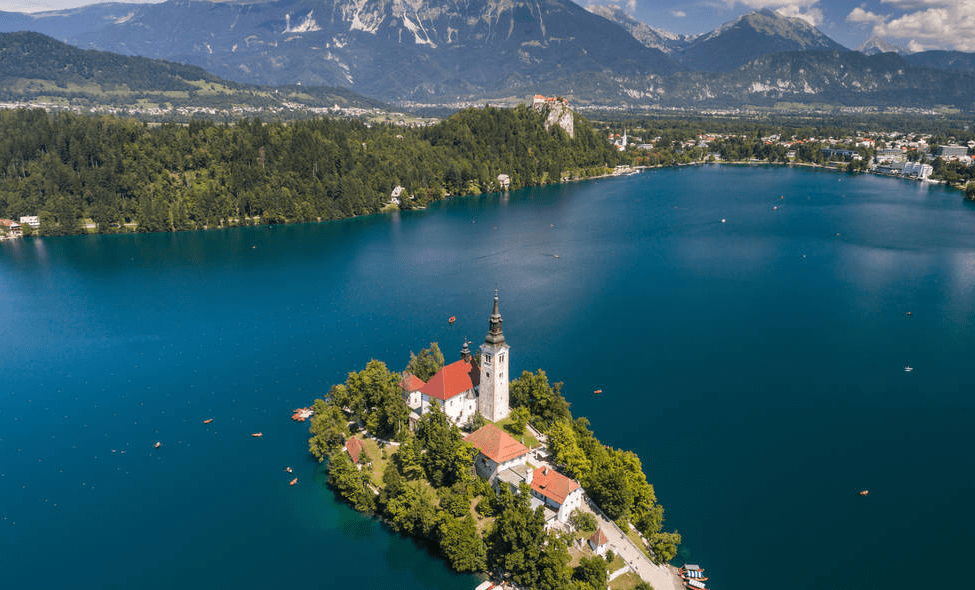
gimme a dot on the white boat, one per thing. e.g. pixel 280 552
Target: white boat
pixel 908 369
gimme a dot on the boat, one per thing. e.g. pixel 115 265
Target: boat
pixel 864 492
pixel 258 434
pixel 157 445
pixel 694 585
pixel 451 320
pixel 288 469
pixel 293 481
pixel 555 255
pixel 908 369
pixel 694 575
pixel 909 314
pixel 208 420
pixel 690 567
pixel 598 391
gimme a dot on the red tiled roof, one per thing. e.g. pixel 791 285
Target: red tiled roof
pixel 552 484
pixel 411 383
pixel 496 444
pixel 354 447
pixel 454 379
pixel 599 538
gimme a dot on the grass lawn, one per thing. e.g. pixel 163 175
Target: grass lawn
pixel 635 536
pixel 627 581
pixel 616 564
pixel 526 439
pixel 376 455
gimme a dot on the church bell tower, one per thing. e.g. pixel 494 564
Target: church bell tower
pixel 493 395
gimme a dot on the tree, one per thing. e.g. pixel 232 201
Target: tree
pixel 329 430
pixel 461 543
pixel 970 191
pixel 664 546
pixel 447 458
pixel 350 483
pixel 519 418
pixel 590 573
pixel 582 521
pixel 565 449
pixel 544 401
pixel 375 398
pixel 426 364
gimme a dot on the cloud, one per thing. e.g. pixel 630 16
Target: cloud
pixel 807 10
pixel 631 6
pixel 932 23
pixel 678 13
pixel 859 15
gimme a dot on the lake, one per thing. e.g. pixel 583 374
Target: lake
pixel 749 328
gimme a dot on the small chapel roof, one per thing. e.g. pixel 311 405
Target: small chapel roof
pixel 454 379
pixel 411 383
pixel 354 447
pixel 496 444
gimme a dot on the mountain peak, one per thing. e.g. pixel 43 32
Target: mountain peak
pixel 753 34
pixel 875 45
pixel 648 35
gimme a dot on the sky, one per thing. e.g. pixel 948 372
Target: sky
pixel 912 24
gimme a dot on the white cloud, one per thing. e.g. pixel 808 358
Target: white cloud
pixel 859 15
pixel 807 10
pixel 631 6
pixel 935 23
pixel 678 13
pixel 913 46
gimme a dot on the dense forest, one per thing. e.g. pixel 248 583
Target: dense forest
pixel 424 484
pixel 115 174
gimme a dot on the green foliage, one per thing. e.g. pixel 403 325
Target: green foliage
pixel 169 177
pixel 582 521
pixel 544 401
pixel 517 544
pixel 643 586
pixel 664 546
pixel 408 460
pixel 476 422
pixel 426 364
pixel 591 573
pixel 375 399
pixel 970 191
pixel 329 430
pixel 565 448
pixel 519 418
pixel 461 544
pixel 350 483
pixel 456 499
pixel 446 459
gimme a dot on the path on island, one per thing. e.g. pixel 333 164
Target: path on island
pixel 661 577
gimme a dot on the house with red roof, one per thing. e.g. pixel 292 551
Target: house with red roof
pixel 497 451
pixel 598 542
pixel 353 447
pixel 557 492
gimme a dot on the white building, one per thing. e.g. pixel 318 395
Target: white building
pixel 463 388
pixel 497 452
pixel 504 181
pixel 31 220
pixel 598 542
pixel 557 491
pixel 917 170
pixel 492 400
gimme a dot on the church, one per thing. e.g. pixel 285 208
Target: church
pixel 467 386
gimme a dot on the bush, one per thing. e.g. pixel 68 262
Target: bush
pixel 583 521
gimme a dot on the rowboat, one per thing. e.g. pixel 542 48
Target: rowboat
pixel 258 434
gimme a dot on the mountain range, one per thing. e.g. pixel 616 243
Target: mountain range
pixel 455 51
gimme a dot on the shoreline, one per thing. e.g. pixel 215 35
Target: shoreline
pixel 390 208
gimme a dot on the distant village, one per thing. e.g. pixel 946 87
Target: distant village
pixel 892 153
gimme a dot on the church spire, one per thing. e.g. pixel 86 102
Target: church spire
pixel 494 335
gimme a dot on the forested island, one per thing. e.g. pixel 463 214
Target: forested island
pixel 422 481
pixel 105 174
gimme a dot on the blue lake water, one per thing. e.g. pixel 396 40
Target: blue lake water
pixel 756 365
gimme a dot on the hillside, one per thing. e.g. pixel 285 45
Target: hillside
pixel 36 68
pixel 121 173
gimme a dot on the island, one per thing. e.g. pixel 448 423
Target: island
pixel 494 475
